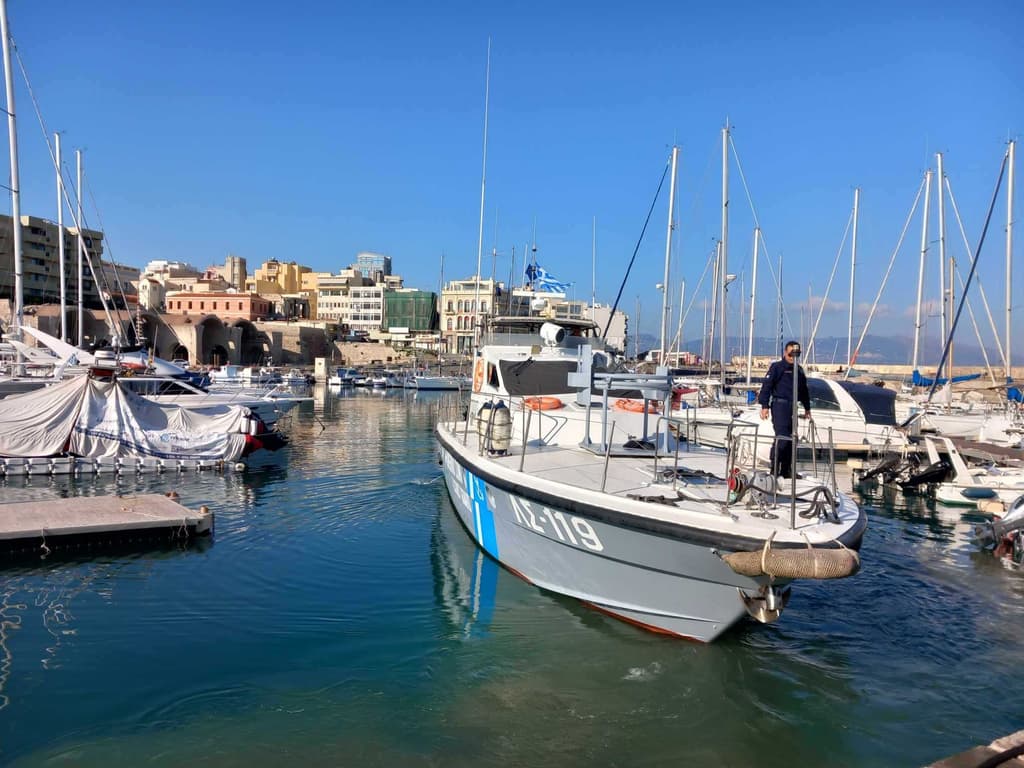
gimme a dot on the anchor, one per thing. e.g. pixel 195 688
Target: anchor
pixel 767 605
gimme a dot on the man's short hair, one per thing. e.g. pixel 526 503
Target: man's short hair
pixel 790 344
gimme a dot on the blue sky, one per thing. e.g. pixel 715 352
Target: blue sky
pixel 310 131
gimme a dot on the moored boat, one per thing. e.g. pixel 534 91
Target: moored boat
pixel 612 509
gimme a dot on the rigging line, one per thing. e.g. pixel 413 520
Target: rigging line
pixel 828 287
pixel 696 292
pixel 885 278
pixel 757 224
pixel 977 331
pixel 53 161
pixel 110 252
pixel 647 221
pixel 970 276
pixel 981 288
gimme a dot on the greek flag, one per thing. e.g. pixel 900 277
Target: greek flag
pixel 538 275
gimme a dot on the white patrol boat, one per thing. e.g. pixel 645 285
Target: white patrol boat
pixel 610 507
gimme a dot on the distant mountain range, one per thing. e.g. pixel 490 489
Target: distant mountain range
pixel 892 350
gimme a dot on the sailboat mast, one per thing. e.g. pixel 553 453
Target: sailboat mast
pixel 920 265
pixel 715 285
pixel 483 187
pixel 723 275
pixel 853 275
pixel 679 327
pixel 60 242
pixel 753 300
pixel 665 306
pixel 942 247
pixel 12 134
pixel 1009 256
pixel 779 308
pixel 81 251
pixel 593 268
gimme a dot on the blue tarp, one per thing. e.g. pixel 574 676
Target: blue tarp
pixel 921 381
pixel 1014 395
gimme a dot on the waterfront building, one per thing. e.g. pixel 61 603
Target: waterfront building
pixel 354 300
pixel 464 303
pixel 618 329
pixel 41 264
pixel 226 306
pixel 233 272
pixel 374 266
pixel 277 277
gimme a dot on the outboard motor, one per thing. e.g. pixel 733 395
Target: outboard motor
pixel 1006 534
pixel 937 472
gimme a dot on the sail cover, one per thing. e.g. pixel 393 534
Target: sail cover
pixel 91 418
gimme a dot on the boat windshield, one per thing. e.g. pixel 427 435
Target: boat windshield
pixel 877 403
pixel 536 377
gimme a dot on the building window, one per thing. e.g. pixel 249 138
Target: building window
pixel 190 305
pixel 460 305
pixel 450 306
pixel 215 305
pixel 239 306
pixel 483 305
pixel 202 305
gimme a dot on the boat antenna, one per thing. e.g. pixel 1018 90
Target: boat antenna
pixel 647 221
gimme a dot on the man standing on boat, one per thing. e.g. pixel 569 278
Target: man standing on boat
pixel 777 396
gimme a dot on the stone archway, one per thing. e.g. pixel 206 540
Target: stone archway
pixel 213 337
pixel 219 355
pixel 179 352
pixel 252 343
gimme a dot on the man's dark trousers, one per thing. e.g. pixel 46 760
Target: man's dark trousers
pixel 782 450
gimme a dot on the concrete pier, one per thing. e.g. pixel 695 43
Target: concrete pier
pixel 94 522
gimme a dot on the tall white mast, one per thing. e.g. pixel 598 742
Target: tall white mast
pixel 723 275
pixel 920 265
pixel 12 134
pixel 60 243
pixel 483 186
pixel 593 268
pixel 853 275
pixel 81 251
pixel 715 290
pixel 1009 257
pixel 942 248
pixel 753 300
pixel 665 306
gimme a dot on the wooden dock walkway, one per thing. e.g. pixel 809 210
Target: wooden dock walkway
pixel 91 522
pixel 1009 748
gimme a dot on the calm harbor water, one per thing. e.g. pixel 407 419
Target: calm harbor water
pixel 342 616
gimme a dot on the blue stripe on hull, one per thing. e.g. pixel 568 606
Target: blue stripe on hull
pixel 483 515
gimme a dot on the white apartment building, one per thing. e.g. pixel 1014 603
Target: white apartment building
pixel 351 299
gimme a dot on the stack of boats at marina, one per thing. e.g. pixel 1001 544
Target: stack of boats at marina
pixel 387 379
pixel 624 509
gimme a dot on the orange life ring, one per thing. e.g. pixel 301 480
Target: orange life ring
pixel 478 374
pixel 634 406
pixel 542 403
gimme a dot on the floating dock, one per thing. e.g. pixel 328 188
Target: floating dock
pixel 84 523
pixel 1007 752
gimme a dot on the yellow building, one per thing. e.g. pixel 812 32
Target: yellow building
pixel 277 277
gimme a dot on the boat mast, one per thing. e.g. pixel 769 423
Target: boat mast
pixel 483 186
pixel 665 306
pixel 723 274
pixel 12 134
pixel 715 285
pixel 60 242
pixel 81 251
pixel 920 265
pixel 853 274
pixel 1009 256
pixel 942 247
pixel 779 308
pixel 593 268
pixel 753 299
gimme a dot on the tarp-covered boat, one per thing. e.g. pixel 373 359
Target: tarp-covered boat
pixel 91 418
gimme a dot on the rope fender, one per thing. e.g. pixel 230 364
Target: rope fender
pixel 808 563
